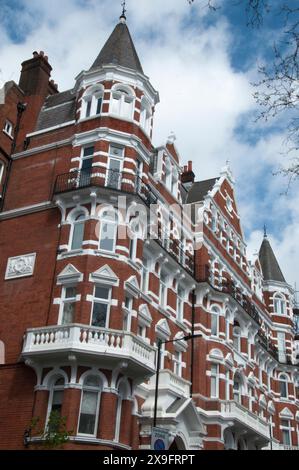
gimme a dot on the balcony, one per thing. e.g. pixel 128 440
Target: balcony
pixel 170 382
pixel 244 418
pixel 130 184
pixel 108 348
pixel 203 274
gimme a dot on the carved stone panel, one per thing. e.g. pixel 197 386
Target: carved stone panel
pixel 20 266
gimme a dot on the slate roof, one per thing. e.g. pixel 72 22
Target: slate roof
pixel 58 109
pixel 119 50
pixel 270 267
pixel 200 189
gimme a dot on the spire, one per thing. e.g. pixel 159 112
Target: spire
pixel 270 267
pixel 123 17
pixel 119 49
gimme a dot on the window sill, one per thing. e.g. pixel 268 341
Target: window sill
pixel 7 134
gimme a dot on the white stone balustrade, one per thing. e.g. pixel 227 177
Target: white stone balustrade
pixel 235 411
pixel 110 345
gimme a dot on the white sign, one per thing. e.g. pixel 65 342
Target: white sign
pixel 20 266
pixel 160 439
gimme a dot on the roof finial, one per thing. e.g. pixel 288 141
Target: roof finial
pixel 265 231
pixel 123 17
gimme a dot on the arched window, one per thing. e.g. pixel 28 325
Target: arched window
pixel 122 102
pixel 168 174
pixel 90 403
pixel 215 311
pixel 237 336
pixel 93 101
pixel 77 234
pixel 56 398
pixel 108 232
pixel 237 388
pixel 283 386
pixel 145 115
pixel 122 395
pixel 279 303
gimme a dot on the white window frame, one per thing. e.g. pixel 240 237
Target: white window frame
pixel 79 219
pixel 127 314
pixel 145 116
pixel 279 304
pixel 1 170
pixel 180 306
pixel 227 385
pixel 102 301
pixel 145 275
pixel 178 363
pixel 288 429
pixel 92 97
pixel 106 220
pixel 94 390
pixel 163 291
pixel 66 300
pixel 53 389
pixel 281 346
pixel 283 379
pixel 214 379
pixel 8 128
pixel 119 96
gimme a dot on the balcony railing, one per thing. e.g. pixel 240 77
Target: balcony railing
pixel 203 274
pixel 128 183
pixel 268 345
pixel 105 344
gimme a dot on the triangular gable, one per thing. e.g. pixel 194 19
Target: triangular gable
pixel 145 315
pixel 69 274
pixel 132 286
pixel 105 275
pixel 286 413
pixel 162 327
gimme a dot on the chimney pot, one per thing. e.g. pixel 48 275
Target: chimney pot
pixel 190 166
pixel 35 54
pixel 42 53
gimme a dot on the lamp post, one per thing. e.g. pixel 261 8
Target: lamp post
pixel 184 338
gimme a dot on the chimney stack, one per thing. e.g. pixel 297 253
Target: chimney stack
pixel 35 75
pixel 188 176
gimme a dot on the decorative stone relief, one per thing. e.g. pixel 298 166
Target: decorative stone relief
pixel 20 266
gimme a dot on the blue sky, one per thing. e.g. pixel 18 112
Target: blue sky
pixel 203 64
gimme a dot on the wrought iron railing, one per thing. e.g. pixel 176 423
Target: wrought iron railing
pixel 125 182
pixel 203 274
pixel 267 344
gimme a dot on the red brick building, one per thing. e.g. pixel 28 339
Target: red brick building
pixel 108 247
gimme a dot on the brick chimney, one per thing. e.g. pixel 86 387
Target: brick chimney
pixel 35 76
pixel 188 176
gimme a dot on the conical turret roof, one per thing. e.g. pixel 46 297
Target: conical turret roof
pixel 119 49
pixel 270 267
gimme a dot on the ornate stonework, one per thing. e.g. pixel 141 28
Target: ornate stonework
pixel 20 266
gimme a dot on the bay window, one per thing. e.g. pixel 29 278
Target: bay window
pixel 286 429
pixel 122 102
pixel 108 232
pixel 77 235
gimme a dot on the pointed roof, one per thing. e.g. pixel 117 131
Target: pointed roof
pixel 270 267
pixel 119 49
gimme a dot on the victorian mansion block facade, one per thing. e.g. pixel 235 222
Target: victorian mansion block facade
pixel 109 247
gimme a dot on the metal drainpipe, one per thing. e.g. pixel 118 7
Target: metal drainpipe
pixel 21 107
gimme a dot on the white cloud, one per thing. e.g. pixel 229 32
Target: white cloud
pixel 203 98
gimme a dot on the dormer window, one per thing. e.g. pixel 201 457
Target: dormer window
pixel 122 102
pixel 8 128
pixel 93 101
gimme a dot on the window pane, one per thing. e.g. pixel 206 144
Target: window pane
pixel 88 108
pixel 102 293
pixel 92 381
pixel 88 413
pixel 108 237
pixel 213 387
pixel 68 313
pixel 78 236
pixel 286 437
pixel 88 151
pixel 87 165
pixel 70 292
pixel 57 397
pixel 214 325
pixel 99 106
pixel 99 315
